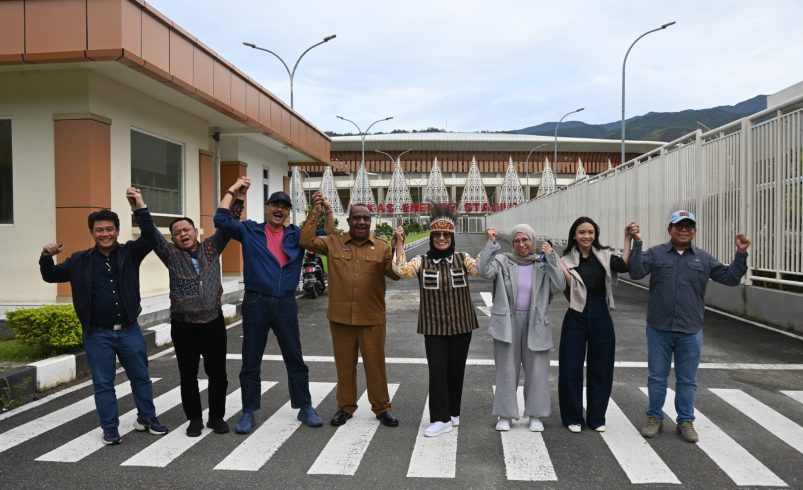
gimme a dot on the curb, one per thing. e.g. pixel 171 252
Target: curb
pixel 25 381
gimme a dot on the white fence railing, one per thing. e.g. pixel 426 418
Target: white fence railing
pixel 746 176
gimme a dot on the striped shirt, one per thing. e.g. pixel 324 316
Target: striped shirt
pixel 446 306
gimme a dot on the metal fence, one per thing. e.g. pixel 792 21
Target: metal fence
pixel 746 176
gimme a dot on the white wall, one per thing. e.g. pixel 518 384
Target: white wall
pixel 129 109
pixel 31 99
pixel 256 156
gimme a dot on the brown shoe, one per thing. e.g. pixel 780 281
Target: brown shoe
pixel 687 432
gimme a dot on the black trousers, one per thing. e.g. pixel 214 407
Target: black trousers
pixel 191 341
pixel 593 328
pixel 446 357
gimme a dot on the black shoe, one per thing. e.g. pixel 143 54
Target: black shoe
pixel 195 428
pixel 219 426
pixel 388 419
pixel 340 418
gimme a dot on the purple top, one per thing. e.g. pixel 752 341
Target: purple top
pixel 525 287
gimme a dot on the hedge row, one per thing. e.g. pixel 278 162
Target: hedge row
pixel 51 327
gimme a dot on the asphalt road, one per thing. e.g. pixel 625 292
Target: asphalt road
pixel 750 413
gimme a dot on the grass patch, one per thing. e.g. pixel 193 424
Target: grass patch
pixel 13 350
pixel 416 236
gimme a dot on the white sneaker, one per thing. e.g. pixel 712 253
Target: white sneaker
pixel 576 428
pixel 455 421
pixel 503 424
pixel 601 428
pixel 437 429
pixel 536 425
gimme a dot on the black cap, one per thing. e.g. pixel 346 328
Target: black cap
pixel 281 197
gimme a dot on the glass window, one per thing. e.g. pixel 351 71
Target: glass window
pixel 6 183
pixel 156 169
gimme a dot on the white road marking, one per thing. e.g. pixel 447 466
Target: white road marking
pixel 344 451
pixel 638 460
pixel 777 424
pixel 733 459
pixel 526 455
pixel 490 362
pixel 167 448
pixel 84 445
pixel 266 439
pixel 487 298
pixel 795 395
pixel 38 426
pixel 433 457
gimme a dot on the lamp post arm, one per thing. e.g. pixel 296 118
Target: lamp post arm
pixel 555 156
pixel 624 65
pixel 252 45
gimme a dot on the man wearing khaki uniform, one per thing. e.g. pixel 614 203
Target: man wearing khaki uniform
pixel 358 264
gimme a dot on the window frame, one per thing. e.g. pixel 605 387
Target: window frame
pixel 12 221
pixel 182 170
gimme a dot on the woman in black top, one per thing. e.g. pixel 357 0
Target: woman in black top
pixel 591 272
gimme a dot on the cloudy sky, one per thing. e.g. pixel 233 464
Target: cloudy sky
pixel 472 65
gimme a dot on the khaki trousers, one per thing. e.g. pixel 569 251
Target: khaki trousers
pixel 369 340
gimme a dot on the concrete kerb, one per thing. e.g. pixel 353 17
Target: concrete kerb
pixel 25 381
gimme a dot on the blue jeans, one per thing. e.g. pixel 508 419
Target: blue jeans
pixel 128 345
pixel 686 347
pixel 262 313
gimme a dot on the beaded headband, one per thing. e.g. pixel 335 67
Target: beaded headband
pixel 442 224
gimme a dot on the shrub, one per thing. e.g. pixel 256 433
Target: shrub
pixel 55 327
pixel 384 230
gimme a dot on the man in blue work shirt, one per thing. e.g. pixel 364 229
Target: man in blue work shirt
pixel 679 273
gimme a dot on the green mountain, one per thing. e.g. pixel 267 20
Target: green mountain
pixel 654 126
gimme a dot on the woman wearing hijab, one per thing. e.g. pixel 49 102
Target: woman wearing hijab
pixel 590 270
pixel 519 324
pixel 446 317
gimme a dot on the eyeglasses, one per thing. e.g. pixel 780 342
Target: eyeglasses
pixel 441 234
pixel 360 217
pixel 687 226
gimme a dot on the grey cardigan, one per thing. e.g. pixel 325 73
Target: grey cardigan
pixel 577 289
pixel 547 277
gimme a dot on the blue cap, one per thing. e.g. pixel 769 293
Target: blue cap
pixel 682 215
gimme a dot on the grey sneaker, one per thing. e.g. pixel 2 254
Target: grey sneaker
pixel 653 426
pixel 687 432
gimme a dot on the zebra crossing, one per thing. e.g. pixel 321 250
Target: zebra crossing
pixel 527 456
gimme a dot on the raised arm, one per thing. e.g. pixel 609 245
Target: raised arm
pixel 555 271
pixel 224 220
pixel 308 238
pixel 731 275
pixel 640 263
pixel 51 272
pixel 487 266
pixel 405 270
pixel 149 236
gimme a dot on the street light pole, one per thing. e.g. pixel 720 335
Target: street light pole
pixel 363 134
pixel 527 168
pixel 555 157
pixel 292 72
pixel 624 64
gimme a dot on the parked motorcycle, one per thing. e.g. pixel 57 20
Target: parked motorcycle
pixel 314 277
